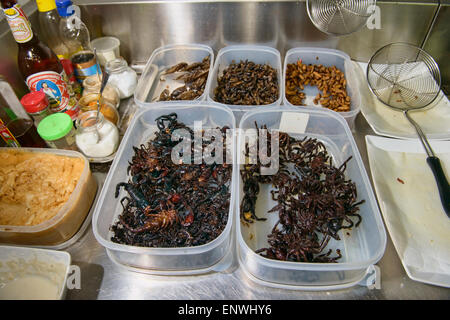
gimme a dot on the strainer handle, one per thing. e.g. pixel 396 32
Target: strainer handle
pixel 442 183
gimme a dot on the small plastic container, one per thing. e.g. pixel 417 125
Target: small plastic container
pixel 149 86
pixel 50 267
pixel 107 48
pixel 36 105
pixel 110 93
pixel 361 247
pixel 122 77
pixel 182 260
pixel 66 223
pixel 256 54
pixel 328 58
pixel 58 131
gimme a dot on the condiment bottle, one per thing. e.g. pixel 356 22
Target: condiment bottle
pixel 38 64
pixel 49 20
pixel 16 126
pixel 58 131
pixel 36 105
pixel 96 137
pixel 18 132
pixel 110 93
pixel 76 36
pixel 122 77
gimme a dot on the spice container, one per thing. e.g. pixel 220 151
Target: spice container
pixel 36 105
pixel 58 131
pixel 181 260
pixel 96 137
pixel 122 77
pixel 110 93
pixel 108 48
pixel 89 103
pixel 234 54
pixel 327 58
pixel 150 86
pixel 361 247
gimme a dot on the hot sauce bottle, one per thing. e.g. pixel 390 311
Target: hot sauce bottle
pixel 38 64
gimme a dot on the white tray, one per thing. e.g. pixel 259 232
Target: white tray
pixel 434 119
pixel 411 207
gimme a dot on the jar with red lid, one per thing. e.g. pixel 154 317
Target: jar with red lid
pixel 36 105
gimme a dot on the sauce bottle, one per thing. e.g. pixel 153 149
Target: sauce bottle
pixel 38 64
pixel 76 36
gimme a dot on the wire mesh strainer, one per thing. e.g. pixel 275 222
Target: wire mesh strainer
pixel 339 17
pixel 406 78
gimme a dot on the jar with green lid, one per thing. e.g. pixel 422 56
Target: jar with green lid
pixel 58 131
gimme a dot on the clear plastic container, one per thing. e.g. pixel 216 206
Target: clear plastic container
pixel 107 48
pixel 149 86
pixel 361 248
pixel 183 260
pixel 67 221
pixel 328 58
pixel 256 54
pixel 24 264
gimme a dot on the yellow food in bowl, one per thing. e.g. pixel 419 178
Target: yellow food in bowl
pixel 35 186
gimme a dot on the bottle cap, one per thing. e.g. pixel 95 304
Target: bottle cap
pixel 65 8
pixel 55 126
pixel 45 5
pixel 34 102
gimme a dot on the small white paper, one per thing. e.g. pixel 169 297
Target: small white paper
pixel 294 122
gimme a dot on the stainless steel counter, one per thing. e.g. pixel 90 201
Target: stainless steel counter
pixel 102 279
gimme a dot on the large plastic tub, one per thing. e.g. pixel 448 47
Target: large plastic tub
pixel 182 260
pixel 69 219
pixel 327 58
pixel 149 86
pixel 256 54
pixel 361 248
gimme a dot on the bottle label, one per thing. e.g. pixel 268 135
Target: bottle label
pixel 54 86
pixel 7 136
pixel 19 24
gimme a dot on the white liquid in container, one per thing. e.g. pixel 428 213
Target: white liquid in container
pixel 29 287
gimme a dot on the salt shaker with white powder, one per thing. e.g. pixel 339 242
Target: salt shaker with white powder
pixel 121 76
pixel 96 137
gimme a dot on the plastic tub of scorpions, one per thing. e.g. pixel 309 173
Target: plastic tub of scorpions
pixel 162 210
pixel 175 73
pixel 309 220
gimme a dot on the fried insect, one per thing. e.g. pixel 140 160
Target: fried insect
pixel 247 83
pixel 314 201
pixel 330 81
pixel 170 204
pixel 193 75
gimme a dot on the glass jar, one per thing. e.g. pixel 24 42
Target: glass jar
pixel 36 105
pixel 58 131
pixel 89 103
pixel 110 93
pixel 122 77
pixel 96 137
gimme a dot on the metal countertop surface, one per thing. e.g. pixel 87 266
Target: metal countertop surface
pixel 103 279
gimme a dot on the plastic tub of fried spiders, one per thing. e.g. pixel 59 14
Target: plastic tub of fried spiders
pixel 313 223
pixel 162 215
